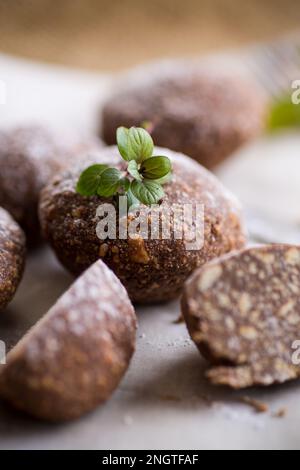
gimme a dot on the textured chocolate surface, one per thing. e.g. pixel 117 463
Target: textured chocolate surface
pixel 243 313
pixel 12 257
pixel 73 359
pixel 152 270
pixel 29 157
pixel 205 114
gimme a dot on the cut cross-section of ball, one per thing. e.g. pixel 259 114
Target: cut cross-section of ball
pixel 243 313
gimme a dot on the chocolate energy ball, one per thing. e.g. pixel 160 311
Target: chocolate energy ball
pixel 243 313
pixel 152 269
pixel 12 257
pixel 29 157
pixel 204 114
pixel 73 359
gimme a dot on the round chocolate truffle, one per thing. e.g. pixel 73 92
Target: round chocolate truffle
pixel 12 257
pixel 29 157
pixel 152 268
pixel 203 113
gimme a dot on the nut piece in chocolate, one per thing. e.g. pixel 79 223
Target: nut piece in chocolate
pixel 243 313
pixel 73 359
pixel 12 257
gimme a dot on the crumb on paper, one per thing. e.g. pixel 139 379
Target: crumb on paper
pixel 280 413
pixel 257 405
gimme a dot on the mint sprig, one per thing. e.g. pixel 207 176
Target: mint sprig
pixel 147 191
pixel 134 171
pixel 156 167
pixel 143 177
pixel 110 182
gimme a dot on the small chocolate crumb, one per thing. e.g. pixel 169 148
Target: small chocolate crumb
pixel 178 320
pixel 281 413
pixel 258 406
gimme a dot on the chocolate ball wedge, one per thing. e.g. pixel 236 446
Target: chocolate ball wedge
pixel 75 356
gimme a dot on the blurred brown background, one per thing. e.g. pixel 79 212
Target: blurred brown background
pixel 111 35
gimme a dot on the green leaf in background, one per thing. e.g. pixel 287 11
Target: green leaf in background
pixel 148 192
pixel 109 182
pixel 122 142
pixel 283 114
pixel 133 170
pixel 90 179
pixel 156 167
pixel 140 144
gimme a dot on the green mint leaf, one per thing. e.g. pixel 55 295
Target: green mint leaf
pixel 132 201
pixel 156 167
pixel 125 184
pixel 164 180
pixel 283 114
pixel 122 142
pixel 109 182
pixel 140 144
pixel 89 180
pixel 148 192
pixel 133 170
